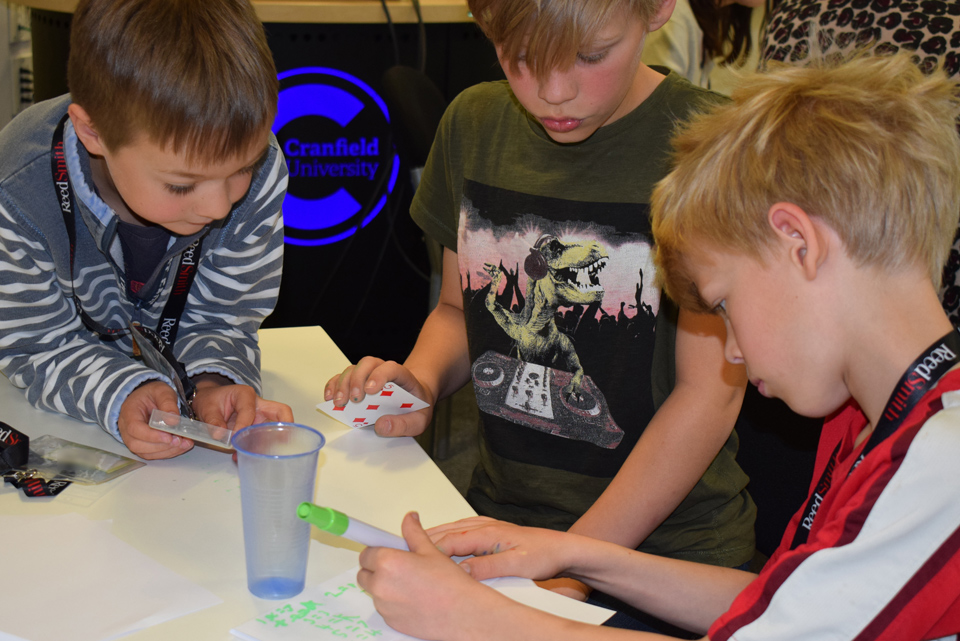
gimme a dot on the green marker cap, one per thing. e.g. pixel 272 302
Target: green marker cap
pixel 325 518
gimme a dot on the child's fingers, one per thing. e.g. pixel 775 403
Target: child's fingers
pixel 212 413
pixel 391 371
pixel 244 415
pixel 273 411
pixel 358 380
pixel 338 387
pixel 349 384
pixel 180 446
pixel 369 376
pixel 469 523
pixel 413 533
pixel 412 424
pixel 151 444
pixel 479 542
pixel 482 568
pixel 331 387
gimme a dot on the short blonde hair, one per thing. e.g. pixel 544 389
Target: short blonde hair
pixel 193 74
pixel 549 33
pixel 869 146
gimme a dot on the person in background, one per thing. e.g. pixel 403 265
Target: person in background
pixel 148 201
pixel 799 214
pixel 702 33
pixel 929 31
pixel 603 409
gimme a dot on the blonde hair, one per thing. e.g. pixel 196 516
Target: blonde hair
pixel 869 146
pixel 547 34
pixel 194 74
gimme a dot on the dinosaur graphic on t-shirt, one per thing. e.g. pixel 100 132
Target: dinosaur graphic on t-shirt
pixel 558 274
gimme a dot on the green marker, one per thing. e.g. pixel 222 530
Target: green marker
pixel 334 522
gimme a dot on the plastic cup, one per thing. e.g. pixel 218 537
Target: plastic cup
pixel 278 466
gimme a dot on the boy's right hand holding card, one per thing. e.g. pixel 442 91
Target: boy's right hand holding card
pixel 383 393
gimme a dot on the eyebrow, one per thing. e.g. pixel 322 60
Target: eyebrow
pixel 595 46
pixel 700 303
pixel 254 165
pixel 600 41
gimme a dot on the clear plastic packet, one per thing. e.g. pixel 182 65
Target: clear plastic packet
pixel 193 430
pixel 56 458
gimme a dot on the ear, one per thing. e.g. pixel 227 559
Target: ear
pixel 799 236
pixel 86 131
pixel 662 15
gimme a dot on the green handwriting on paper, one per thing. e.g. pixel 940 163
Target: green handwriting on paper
pixel 331 613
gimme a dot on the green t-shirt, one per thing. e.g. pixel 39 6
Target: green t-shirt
pixel 572 351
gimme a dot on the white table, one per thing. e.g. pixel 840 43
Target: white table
pixel 185 512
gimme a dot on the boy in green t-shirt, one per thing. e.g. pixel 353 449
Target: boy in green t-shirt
pixel 601 411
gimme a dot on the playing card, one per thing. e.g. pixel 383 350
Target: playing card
pixel 389 401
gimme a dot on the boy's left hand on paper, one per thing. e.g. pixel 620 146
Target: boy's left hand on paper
pixel 137 435
pixel 487 538
pixel 422 592
pixel 504 549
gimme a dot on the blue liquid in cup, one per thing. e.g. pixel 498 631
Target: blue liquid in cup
pixel 276 588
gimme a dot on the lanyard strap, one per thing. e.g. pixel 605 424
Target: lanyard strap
pixel 922 375
pixel 187 263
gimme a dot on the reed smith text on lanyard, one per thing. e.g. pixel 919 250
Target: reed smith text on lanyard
pixel 919 379
pixel 186 268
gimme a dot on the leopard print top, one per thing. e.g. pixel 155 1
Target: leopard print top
pixel 928 28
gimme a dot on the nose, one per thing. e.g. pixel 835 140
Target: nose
pixel 731 350
pixel 217 204
pixel 559 87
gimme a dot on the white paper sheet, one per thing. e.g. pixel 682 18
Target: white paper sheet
pixel 339 609
pixel 75 580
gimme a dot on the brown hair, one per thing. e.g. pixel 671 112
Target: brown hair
pixel 869 147
pixel 194 74
pixel 547 34
pixel 726 30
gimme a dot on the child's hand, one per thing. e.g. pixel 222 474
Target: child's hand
pixel 137 435
pixel 503 549
pixel 368 377
pixel 236 406
pixel 422 592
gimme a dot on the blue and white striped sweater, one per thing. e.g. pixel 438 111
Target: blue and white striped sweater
pixel 45 348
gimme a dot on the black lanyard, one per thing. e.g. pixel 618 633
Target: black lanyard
pixel 186 269
pixel 919 379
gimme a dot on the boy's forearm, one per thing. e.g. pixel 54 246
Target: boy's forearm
pixel 42 341
pixel 678 444
pixel 440 359
pixel 517 622
pixel 671 456
pixel 687 594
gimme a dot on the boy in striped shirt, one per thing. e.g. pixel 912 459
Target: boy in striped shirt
pixel 150 196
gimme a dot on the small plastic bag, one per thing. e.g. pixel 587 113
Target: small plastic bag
pixel 194 430
pixel 54 457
